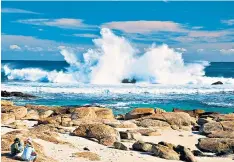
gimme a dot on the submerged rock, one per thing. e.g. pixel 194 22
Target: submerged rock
pixel 217 83
pixel 129 80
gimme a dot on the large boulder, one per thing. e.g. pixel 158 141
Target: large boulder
pixel 178 119
pixel 92 113
pixel 165 152
pixel 104 113
pixel 216 145
pixel 18 111
pixel 7 118
pixel 130 135
pixel 217 126
pixel 153 123
pixel 6 103
pixel 224 117
pixel 105 134
pixel 139 112
pixel 142 146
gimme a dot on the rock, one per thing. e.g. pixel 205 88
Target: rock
pixel 16 94
pixel 6 103
pixel 153 123
pixel 56 120
pixel 217 83
pixel 120 146
pixel 66 120
pixel 139 112
pixel 104 113
pixel 142 146
pixel 129 80
pixel 86 148
pixel 20 125
pixel 195 128
pixel 120 117
pixel 202 121
pixel 221 134
pixel 92 113
pixel 192 113
pixel 170 145
pixel 125 124
pixel 46 114
pixel 31 115
pixel 185 154
pixel 105 134
pixel 173 118
pixel 217 126
pixel 155 133
pixel 165 152
pixel 130 135
pixel 224 117
pixel 216 145
pixel 18 111
pixel 159 111
pixel 7 118
pixel 197 153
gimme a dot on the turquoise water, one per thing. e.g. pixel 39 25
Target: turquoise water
pixel 124 97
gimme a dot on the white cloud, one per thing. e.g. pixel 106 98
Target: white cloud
pixel 33 44
pixel 86 35
pixel 200 50
pixel 207 33
pixel 60 23
pixel 229 22
pixel 181 49
pixel 15 47
pixel 143 26
pixel 227 51
pixel 197 27
pixel 16 10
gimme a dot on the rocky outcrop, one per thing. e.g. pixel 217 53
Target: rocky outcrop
pixel 216 145
pixel 105 134
pixel 46 114
pixel 16 94
pixel 221 134
pixel 139 112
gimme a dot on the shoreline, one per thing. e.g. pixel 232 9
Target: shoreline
pixel 62 133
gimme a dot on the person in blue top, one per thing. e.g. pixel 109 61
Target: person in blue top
pixel 29 153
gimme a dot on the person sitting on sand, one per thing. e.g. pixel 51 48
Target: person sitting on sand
pixel 17 148
pixel 29 153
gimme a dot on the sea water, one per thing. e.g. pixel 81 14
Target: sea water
pixel 163 78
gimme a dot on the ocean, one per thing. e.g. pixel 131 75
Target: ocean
pixel 30 77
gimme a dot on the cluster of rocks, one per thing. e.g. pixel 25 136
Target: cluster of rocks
pixel 99 124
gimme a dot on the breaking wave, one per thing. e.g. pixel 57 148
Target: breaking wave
pixel 113 59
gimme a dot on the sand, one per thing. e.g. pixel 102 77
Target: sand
pixel 63 152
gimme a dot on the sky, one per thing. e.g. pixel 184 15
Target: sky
pixel 38 30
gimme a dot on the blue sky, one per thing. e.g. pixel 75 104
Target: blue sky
pixel 38 30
